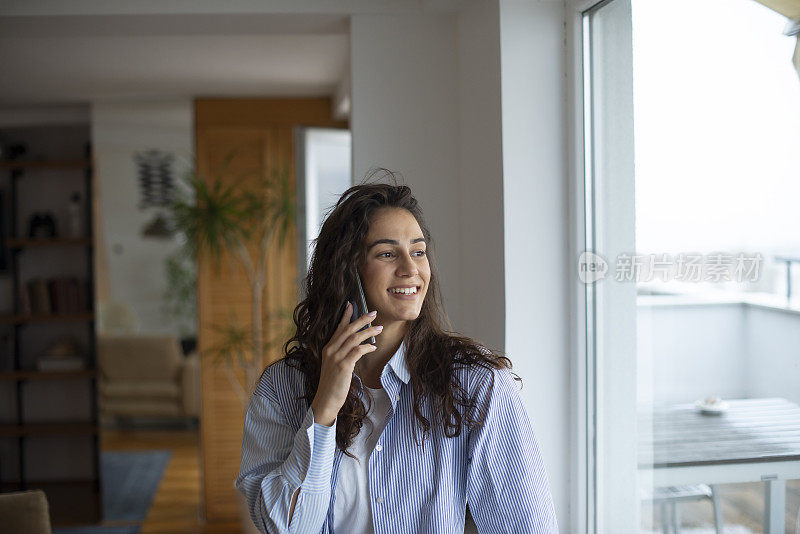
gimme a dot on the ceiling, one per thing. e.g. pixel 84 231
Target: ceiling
pixel 77 59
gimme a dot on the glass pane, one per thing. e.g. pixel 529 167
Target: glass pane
pixel 696 322
pixel 717 135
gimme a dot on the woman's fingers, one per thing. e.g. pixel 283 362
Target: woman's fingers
pixel 345 331
pixel 357 338
pixel 357 352
pixel 348 312
pixel 339 357
pixel 335 342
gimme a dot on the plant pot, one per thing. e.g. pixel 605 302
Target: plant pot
pixel 188 344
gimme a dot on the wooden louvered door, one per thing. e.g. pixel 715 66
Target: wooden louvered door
pixel 260 132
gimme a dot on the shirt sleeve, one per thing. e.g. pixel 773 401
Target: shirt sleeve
pixel 507 485
pixel 277 460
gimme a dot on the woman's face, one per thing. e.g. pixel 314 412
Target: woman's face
pixel 396 258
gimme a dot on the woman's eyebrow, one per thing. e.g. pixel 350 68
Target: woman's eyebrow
pixel 394 242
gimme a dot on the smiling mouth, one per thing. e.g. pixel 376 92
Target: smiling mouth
pixel 408 292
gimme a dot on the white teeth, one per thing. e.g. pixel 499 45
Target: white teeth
pixel 407 291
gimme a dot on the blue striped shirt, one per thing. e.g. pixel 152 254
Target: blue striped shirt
pixel 497 468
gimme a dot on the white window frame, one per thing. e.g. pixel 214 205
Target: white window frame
pixel 583 512
pixel 584 378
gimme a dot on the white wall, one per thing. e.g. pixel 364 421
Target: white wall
pixel 405 118
pixel 733 350
pixel 426 97
pixel 481 169
pixel 688 352
pixel 773 353
pixel 132 266
pixel 537 259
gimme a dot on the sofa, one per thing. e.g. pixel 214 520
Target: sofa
pixel 25 512
pixel 145 375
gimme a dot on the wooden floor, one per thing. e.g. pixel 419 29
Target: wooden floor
pixel 176 506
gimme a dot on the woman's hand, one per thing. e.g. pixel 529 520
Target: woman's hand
pixel 339 358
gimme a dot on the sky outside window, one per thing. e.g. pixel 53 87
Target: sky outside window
pixel 717 128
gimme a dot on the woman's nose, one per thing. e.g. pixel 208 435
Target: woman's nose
pixel 408 266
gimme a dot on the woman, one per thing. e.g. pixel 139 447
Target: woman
pixel 331 438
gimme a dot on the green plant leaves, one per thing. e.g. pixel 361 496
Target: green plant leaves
pixel 237 216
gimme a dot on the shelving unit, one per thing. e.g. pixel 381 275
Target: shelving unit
pixel 15 318
pixel 40 414
pixel 21 165
pixel 28 243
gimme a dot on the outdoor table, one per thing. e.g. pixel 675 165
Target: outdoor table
pixel 754 440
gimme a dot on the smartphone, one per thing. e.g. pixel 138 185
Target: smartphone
pixel 359 302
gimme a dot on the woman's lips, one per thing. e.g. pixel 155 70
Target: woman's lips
pixel 403 296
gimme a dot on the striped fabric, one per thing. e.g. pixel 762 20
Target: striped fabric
pixel 496 468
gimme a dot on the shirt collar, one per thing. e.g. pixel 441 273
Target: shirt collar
pixel 399 365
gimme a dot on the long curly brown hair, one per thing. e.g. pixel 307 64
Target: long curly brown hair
pixel 433 351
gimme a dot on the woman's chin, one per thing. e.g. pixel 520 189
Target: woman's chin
pixel 399 310
pixel 401 315
pixel 410 315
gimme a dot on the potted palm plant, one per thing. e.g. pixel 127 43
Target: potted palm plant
pixel 239 218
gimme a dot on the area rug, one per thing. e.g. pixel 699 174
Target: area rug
pixel 129 483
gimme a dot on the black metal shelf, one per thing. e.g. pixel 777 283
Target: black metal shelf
pixel 19 429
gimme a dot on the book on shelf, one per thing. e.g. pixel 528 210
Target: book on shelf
pixel 25 307
pixel 60 295
pixel 40 297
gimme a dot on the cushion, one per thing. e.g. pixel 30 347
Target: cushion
pixel 139 356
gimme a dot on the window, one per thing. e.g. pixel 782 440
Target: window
pixel 691 135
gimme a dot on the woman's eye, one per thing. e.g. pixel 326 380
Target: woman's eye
pixel 420 252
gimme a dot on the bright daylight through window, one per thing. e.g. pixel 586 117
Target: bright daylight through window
pixel 692 183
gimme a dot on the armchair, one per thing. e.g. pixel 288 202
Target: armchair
pixel 147 375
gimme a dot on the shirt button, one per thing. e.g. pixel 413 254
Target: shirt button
pixel 379 500
pixel 378 447
pixel 396 396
